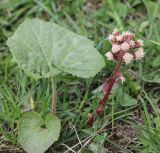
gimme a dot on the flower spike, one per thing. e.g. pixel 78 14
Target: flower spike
pixel 125 48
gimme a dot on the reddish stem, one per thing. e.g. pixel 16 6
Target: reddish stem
pixel 110 82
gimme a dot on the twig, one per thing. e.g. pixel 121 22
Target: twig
pixel 73 127
pixel 69 148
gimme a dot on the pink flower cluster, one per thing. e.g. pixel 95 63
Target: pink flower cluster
pixel 125 47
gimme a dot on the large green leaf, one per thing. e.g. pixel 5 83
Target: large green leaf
pixel 36 135
pixel 44 49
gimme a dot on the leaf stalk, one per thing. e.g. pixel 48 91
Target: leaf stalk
pixel 54 96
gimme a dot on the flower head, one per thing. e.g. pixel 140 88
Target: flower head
pixel 111 37
pixel 127 57
pixel 127 33
pixel 116 48
pixel 131 43
pixel 140 42
pixel 119 37
pixel 125 47
pixel 116 31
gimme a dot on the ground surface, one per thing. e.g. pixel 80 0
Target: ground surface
pixel 131 122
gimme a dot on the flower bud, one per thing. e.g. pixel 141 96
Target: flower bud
pixel 139 54
pixel 111 37
pixel 119 38
pixel 109 56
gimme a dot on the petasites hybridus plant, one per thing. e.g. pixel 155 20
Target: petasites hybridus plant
pixel 47 50
pixel 125 48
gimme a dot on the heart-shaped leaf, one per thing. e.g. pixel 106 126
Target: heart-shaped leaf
pixel 36 135
pixel 45 49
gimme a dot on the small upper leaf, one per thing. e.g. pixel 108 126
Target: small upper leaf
pixel 128 101
pixel 156 61
pixel 45 49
